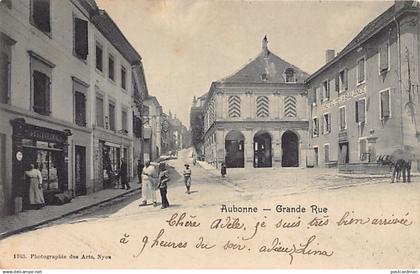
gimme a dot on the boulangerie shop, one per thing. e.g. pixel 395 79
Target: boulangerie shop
pixel 48 150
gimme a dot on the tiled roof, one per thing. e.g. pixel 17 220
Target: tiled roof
pixel 110 30
pixel 265 68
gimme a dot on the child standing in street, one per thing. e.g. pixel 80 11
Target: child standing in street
pixel 187 177
pixel 163 188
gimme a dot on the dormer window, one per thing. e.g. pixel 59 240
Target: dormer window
pixel 290 75
pixel 264 76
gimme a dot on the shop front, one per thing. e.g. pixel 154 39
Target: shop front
pixel 47 150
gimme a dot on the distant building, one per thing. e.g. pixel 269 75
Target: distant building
pixel 152 128
pixel 258 116
pixel 364 102
pixel 197 124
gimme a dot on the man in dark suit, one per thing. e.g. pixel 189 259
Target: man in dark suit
pixel 123 175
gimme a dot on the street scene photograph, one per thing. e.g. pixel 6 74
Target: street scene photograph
pixel 198 134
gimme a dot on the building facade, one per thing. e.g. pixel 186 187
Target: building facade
pixel 152 128
pixel 258 116
pixel 197 125
pixel 66 97
pixel 364 102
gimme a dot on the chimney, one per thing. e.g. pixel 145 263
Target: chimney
pixel 264 46
pixel 329 55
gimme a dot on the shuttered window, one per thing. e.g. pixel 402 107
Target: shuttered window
pixel 40 14
pixel 99 111
pixel 41 93
pixel 81 43
pixel 385 105
pixel 326 90
pixel 111 116
pixel 4 77
pixel 124 118
pixel 361 71
pixel 99 61
pixel 80 108
pixel 342 112
pixel 384 57
pixel 315 127
pixel 111 68
pixel 342 81
pixel 327 123
pixel 360 111
pixel 123 77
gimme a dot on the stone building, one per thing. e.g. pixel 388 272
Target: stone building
pixel 258 116
pixel 65 97
pixel 152 128
pixel 364 102
pixel 197 125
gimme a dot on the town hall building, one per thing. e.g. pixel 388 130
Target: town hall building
pixel 258 117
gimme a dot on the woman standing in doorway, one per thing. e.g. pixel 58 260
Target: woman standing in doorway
pixel 36 196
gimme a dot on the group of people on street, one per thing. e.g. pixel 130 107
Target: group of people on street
pixel 151 180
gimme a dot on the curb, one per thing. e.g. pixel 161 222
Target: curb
pixel 31 227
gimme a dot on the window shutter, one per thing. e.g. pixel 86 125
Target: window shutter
pixel 39 92
pixel 337 82
pixel 4 78
pixel 321 93
pixel 329 123
pixel 361 111
pixel 361 71
pixel 383 56
pixel 385 111
pixel 345 80
pixel 47 94
pixel 81 37
pixel 41 14
pixel 356 111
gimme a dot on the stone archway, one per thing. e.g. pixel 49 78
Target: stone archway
pixel 234 146
pixel 290 149
pixel 262 149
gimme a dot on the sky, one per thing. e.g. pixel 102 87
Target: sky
pixel 187 44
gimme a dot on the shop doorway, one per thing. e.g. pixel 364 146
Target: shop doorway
pixel 234 146
pixel 290 149
pixel 262 150
pixel 80 170
pixel 343 153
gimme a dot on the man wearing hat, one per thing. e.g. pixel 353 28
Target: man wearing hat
pixel 187 177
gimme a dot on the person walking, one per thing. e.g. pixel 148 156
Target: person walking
pixel 223 170
pixel 187 177
pixel 36 195
pixel 123 175
pixel 148 185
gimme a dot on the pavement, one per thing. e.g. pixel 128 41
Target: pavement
pixel 30 219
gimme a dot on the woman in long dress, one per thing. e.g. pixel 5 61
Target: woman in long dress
pixel 148 184
pixel 36 196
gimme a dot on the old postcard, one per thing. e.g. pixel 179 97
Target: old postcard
pixel 209 134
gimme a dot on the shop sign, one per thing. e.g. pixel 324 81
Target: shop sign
pixel 345 97
pixel 40 134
